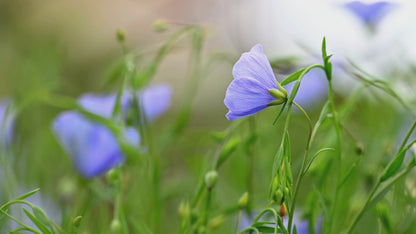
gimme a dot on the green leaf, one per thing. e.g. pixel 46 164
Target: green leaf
pixel 394 166
pixel 324 48
pixel 349 172
pixel 264 227
pixel 42 227
pixel 41 215
pixel 314 156
pixel 293 77
pixel 384 215
pixel 26 195
pixel 280 113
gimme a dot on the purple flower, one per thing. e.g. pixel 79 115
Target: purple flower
pixel 254 87
pixel 155 100
pixel 102 105
pixel 92 147
pixel 7 117
pixel 370 13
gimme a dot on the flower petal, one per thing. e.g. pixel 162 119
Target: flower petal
pixel 370 13
pixel 254 64
pixel 102 105
pixel 155 101
pixel 246 96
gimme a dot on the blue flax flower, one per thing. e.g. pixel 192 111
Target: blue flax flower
pixel 370 13
pixel 254 86
pixel 93 148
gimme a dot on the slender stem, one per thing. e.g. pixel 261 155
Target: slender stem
pixel 374 190
pixel 238 221
pixel 301 174
pixel 339 153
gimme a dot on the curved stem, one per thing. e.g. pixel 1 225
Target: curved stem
pixel 301 174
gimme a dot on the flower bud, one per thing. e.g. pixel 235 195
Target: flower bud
pixel 76 222
pixel 211 179
pixel 279 95
pixel 216 222
pixel 113 176
pixel 160 25
pixel 115 226
pixel 242 202
pixel 184 209
pixel 283 210
pixel 120 35
pixel 278 196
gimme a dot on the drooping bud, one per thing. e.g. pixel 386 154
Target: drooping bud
pixel 211 179
pixel 243 201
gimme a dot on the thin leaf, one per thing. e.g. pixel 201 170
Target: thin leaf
pixel 293 77
pixel 349 172
pixel 280 113
pixel 394 166
pixel 43 228
pixel 26 195
pixel 314 156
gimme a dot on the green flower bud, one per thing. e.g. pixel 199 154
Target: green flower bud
pixel 286 192
pixel 184 209
pixel 115 226
pixel 279 95
pixel 216 222
pixel 120 35
pixel 211 179
pixel 278 196
pixel 113 176
pixel 76 222
pixel 160 25
pixel 242 202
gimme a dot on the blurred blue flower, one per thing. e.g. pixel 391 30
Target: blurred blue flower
pixel 370 13
pixel 92 147
pixel 102 105
pixel 313 89
pixel 155 100
pixel 7 117
pixel 249 93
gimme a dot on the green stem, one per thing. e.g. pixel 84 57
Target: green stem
pixel 301 174
pixel 339 153
pixel 376 186
pixel 238 221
